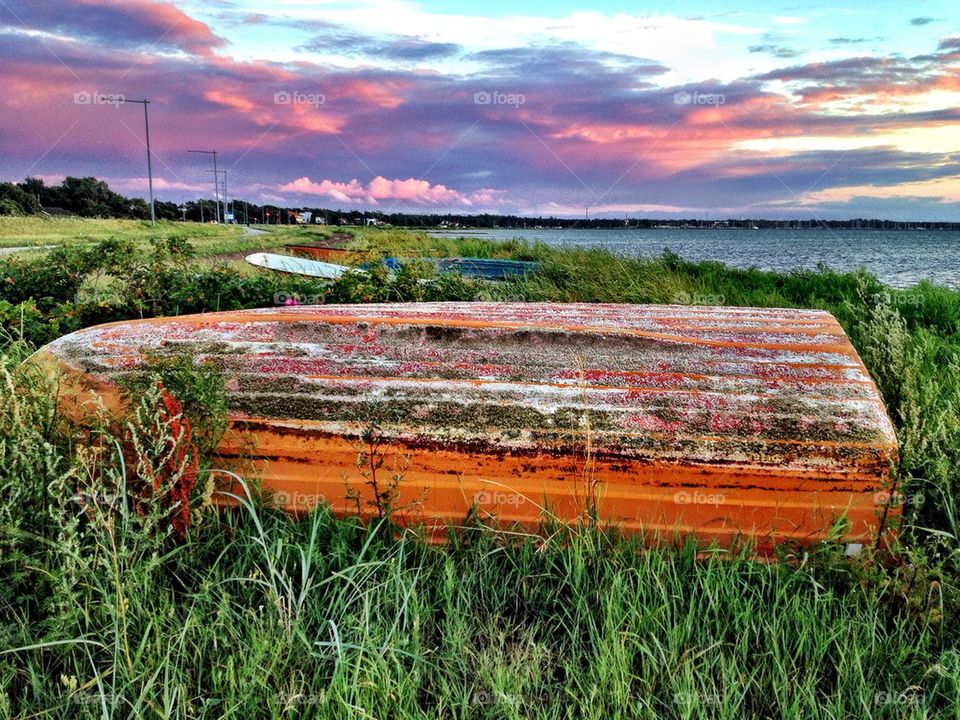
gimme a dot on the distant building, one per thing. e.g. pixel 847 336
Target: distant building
pixel 56 212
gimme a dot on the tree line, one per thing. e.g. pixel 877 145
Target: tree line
pixel 93 198
pixel 85 197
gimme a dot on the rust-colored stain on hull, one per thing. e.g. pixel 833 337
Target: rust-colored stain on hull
pixel 720 422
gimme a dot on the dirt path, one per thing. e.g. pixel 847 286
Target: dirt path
pixel 8 250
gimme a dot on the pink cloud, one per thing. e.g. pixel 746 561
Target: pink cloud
pixel 385 93
pixel 417 192
pixel 139 185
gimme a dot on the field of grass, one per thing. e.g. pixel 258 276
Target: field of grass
pixel 207 239
pixel 105 611
pixel 26 231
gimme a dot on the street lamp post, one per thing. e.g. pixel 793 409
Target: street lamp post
pixel 146 124
pixel 216 177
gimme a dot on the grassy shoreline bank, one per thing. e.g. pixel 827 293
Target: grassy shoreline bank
pixel 105 611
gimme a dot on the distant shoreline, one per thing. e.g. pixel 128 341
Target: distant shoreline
pixel 758 225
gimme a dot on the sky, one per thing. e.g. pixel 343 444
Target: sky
pixel 631 109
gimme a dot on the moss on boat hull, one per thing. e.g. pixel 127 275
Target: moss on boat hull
pixel 716 422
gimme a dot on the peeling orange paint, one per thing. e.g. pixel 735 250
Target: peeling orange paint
pixel 670 420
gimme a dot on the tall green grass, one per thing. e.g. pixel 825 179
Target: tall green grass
pixel 104 612
pixel 263 615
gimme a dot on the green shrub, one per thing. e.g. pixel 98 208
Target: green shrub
pixel 413 282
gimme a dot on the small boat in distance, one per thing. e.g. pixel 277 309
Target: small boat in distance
pixel 487 269
pixel 325 253
pixel 492 269
pixel 298 266
pixel 473 268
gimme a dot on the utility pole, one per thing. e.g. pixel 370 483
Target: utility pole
pixel 226 200
pixel 146 124
pixel 216 178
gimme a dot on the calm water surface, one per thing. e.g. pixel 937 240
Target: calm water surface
pixel 898 258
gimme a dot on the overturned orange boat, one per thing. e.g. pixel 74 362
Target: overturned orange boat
pixel 721 423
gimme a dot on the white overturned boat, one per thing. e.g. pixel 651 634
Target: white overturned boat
pixel 298 266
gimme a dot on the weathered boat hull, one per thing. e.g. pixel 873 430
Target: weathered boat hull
pixel 720 423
